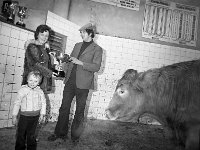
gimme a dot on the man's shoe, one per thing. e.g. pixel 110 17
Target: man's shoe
pixel 64 137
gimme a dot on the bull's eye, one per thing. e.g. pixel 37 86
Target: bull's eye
pixel 121 92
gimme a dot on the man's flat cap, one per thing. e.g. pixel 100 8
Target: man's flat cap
pixel 89 26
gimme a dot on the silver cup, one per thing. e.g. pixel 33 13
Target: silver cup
pixel 12 9
pixel 60 57
pixel 22 14
pixel 57 59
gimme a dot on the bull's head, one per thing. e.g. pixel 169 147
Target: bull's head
pixel 126 102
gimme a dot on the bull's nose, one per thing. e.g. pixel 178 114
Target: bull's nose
pixel 109 114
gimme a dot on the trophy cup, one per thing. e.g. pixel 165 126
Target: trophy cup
pixel 59 58
pixel 12 8
pixel 22 13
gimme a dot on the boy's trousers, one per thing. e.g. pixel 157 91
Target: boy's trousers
pixel 26 133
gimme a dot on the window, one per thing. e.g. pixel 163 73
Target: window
pixel 170 22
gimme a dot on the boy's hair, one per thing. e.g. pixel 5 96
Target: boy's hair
pixel 36 73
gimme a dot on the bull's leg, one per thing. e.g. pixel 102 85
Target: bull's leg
pixel 192 139
pixel 178 133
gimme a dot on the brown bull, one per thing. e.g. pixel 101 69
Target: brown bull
pixel 171 94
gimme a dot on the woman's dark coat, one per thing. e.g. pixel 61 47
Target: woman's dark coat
pixel 37 58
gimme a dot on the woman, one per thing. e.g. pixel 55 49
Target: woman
pixel 37 57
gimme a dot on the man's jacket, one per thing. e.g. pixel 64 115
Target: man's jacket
pixel 91 58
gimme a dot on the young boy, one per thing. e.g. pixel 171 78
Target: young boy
pixel 31 106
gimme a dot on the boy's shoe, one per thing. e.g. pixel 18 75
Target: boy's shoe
pixel 54 137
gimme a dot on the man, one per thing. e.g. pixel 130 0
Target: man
pixel 85 60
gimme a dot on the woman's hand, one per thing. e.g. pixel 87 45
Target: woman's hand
pixel 76 61
pixel 46 45
pixel 54 74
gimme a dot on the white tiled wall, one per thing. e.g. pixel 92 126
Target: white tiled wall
pixel 11 66
pixel 119 54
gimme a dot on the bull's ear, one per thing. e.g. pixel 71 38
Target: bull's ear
pixel 141 75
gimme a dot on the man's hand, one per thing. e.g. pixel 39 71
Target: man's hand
pixel 76 61
pixel 66 58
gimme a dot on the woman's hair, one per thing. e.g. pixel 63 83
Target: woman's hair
pixel 42 28
pixel 90 31
pixel 36 73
